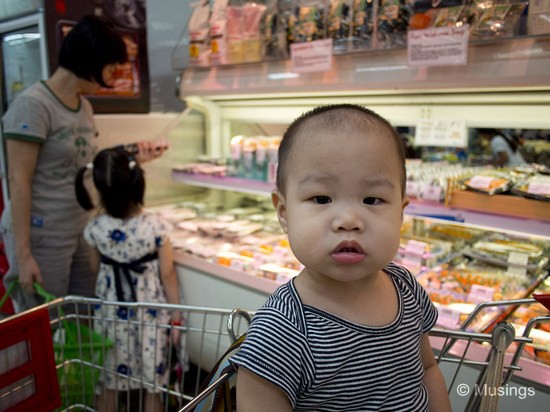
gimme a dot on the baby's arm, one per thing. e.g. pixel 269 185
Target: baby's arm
pixel 433 379
pixel 257 394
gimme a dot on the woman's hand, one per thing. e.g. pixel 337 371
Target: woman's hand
pixel 29 273
pixel 151 149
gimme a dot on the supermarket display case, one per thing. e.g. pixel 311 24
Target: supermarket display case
pixel 505 84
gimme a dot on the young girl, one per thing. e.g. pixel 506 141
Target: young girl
pixel 135 265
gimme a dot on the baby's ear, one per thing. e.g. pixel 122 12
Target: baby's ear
pixel 279 202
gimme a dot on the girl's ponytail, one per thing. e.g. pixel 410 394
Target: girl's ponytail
pixel 82 194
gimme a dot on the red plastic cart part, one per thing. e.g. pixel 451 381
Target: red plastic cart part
pixel 27 346
pixel 543 298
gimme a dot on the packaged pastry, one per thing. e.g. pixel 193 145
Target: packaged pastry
pixel 534 187
pixel 489 182
pixel 505 251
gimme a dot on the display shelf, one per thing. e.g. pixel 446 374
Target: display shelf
pixel 249 186
pixel 477 217
pixel 531 370
pixel 234 276
pixel 512 63
pixel 505 205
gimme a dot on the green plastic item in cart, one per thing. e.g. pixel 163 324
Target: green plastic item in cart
pixel 79 352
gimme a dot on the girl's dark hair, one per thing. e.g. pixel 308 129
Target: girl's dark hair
pixel 334 116
pixel 119 180
pixel 512 141
pixel 92 44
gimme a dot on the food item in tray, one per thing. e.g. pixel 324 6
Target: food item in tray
pixel 506 252
pixel 535 187
pixel 462 287
pixel 489 182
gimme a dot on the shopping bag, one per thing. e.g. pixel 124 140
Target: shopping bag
pixel 223 394
pixel 79 351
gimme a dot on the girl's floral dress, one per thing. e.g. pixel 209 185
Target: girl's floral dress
pixel 140 348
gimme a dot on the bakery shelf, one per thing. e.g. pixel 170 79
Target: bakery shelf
pixel 242 185
pixel 505 205
pixel 256 283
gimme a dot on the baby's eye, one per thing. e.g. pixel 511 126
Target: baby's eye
pixel 371 200
pixel 321 200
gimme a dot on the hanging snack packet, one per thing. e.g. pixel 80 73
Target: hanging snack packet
pixel 338 24
pixel 393 21
pixel 498 21
pixel 252 17
pixel 273 34
pixel 310 23
pixel 362 25
pixel 218 39
pixel 198 35
pixel 234 31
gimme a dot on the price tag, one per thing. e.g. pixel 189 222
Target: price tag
pixel 441 46
pixel 481 182
pixel 237 264
pixel 479 293
pixel 432 192
pixel 412 261
pixel 517 264
pixel 539 188
pixel 447 317
pixel 313 56
pixel 412 188
pixel 441 133
pixel 259 259
pixel 415 247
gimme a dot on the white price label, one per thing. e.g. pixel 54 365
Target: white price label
pixel 479 293
pixel 416 247
pixel 431 192
pixel 481 182
pixel 412 262
pixel 237 264
pixel 539 188
pixel 447 317
pixel 517 264
pixel 313 56
pixel 441 133
pixel 412 188
pixel 441 46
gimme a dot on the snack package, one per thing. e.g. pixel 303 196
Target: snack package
pixel 253 13
pixel 393 21
pixel 498 21
pixel 218 32
pixel 338 24
pixel 309 22
pixel 490 182
pixel 234 31
pixel 451 17
pixel 273 33
pixel 533 187
pixel 198 26
pixel 362 25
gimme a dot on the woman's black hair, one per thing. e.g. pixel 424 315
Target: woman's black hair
pixel 119 180
pixel 92 44
pixel 512 141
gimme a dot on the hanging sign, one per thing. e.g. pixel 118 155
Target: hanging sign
pixel 313 56
pixel 441 46
pixel 445 133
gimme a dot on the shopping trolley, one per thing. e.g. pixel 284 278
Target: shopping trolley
pixel 71 373
pixel 457 348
